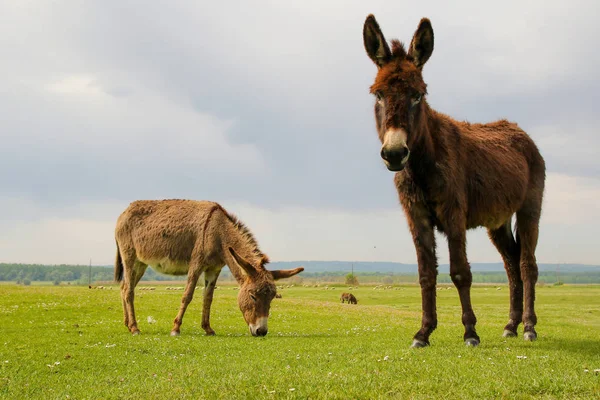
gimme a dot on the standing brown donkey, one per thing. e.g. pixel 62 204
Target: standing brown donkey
pixel 453 176
pixel 179 237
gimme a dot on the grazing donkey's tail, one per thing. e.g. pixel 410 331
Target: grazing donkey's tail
pixel 118 266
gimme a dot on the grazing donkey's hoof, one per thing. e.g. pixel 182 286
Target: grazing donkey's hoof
pixel 472 342
pixel 507 333
pixel 175 333
pixel 530 336
pixel 135 332
pixel 417 344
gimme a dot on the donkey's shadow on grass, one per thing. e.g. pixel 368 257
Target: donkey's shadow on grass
pixel 238 334
pixel 551 344
pixel 584 346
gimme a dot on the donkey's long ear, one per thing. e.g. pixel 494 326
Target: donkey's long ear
pixel 375 44
pixel 246 266
pixel 285 273
pixel 421 45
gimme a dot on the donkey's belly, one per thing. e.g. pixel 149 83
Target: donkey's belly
pixel 168 267
pixel 491 221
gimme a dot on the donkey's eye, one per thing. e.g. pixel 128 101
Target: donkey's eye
pixel 253 297
pixel 379 96
pixel 416 99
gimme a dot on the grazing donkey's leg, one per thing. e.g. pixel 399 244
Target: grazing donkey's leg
pixel 504 241
pixel 210 281
pixel 188 295
pixel 130 279
pixel 527 230
pixel 460 273
pixel 424 240
pixel 125 312
pixel 139 270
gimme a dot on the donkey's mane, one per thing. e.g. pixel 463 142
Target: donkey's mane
pixel 398 50
pixel 247 235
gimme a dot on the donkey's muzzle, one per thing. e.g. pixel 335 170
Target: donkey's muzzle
pixel 260 332
pixel 259 328
pixel 395 159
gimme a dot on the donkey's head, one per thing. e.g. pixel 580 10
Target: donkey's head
pixel 399 89
pixel 257 292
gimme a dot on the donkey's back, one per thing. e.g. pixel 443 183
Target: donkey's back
pixel 497 166
pixel 164 233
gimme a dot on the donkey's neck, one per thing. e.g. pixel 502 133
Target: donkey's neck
pixel 238 238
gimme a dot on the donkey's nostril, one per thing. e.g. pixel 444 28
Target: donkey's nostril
pixel 403 153
pixel 384 154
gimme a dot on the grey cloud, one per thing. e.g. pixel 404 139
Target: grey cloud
pixel 293 83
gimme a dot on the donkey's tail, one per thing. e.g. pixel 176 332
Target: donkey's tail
pixel 118 266
pixel 517 239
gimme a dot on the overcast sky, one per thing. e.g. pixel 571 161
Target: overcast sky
pixel 263 106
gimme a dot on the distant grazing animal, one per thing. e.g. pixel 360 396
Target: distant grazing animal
pixel 453 176
pixel 278 295
pixel 179 237
pixel 349 298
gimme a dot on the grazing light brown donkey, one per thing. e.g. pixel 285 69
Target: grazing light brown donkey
pixel 453 176
pixel 179 237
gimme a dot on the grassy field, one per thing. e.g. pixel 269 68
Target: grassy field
pixel 70 343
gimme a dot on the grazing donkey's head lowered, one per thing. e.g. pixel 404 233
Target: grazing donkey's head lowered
pixel 398 88
pixel 257 291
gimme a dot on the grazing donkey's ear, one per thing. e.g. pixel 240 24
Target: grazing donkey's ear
pixel 246 266
pixel 375 44
pixel 421 45
pixel 286 273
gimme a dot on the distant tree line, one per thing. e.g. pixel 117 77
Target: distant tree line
pixel 79 274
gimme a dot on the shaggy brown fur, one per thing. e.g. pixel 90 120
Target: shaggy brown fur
pixel 179 237
pixel 453 176
pixel 349 298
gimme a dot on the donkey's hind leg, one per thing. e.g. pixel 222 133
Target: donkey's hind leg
pixel 528 218
pixel 508 248
pixel 133 272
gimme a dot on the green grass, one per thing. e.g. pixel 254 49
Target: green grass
pixel 69 342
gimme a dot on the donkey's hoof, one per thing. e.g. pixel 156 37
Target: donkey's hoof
pixel 175 333
pixel 530 336
pixel 417 344
pixel 508 333
pixel 135 332
pixel 210 333
pixel 471 342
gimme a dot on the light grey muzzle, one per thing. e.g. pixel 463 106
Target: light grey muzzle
pixel 394 151
pixel 259 328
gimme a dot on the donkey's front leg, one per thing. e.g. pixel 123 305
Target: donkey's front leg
pixel 424 240
pixel 460 273
pixel 210 281
pixel 188 295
